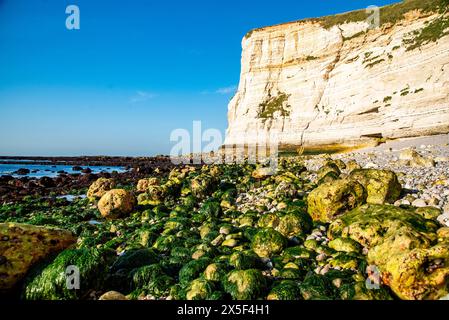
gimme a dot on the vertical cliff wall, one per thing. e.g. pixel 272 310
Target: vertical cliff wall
pixel 334 82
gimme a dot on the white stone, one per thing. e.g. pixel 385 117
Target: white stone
pixel 419 203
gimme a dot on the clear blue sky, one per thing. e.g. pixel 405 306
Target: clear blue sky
pixel 135 70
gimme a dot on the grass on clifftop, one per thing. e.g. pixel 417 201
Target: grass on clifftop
pixel 388 14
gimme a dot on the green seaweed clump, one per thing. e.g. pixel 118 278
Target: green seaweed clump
pixel 245 284
pixel 54 281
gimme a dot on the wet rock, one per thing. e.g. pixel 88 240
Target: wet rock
pixel 46 182
pixel 22 172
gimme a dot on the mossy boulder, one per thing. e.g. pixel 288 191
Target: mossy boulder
pixel 286 190
pixel 352 165
pixel 262 173
pixel 317 287
pixel 192 270
pixel 23 245
pixel 369 225
pixel 116 203
pixel 329 177
pixel 413 260
pixel 51 282
pixel 244 260
pixel 268 242
pixel 294 223
pixel 332 199
pixel 285 290
pixel 100 187
pixel 245 284
pixel 382 186
pixel 269 220
pixel 329 167
pixel 215 272
pixel 199 289
pixel 345 245
pixel 416 274
pixel 359 291
pixel 203 185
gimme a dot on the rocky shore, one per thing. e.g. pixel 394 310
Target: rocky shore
pixel 361 226
pixel 15 189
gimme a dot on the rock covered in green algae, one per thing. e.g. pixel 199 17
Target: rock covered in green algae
pixel 360 291
pixel 193 270
pixel 382 186
pixel 116 203
pixel 245 284
pixel 329 168
pixel 317 287
pixel 23 245
pixel 203 185
pixel 345 245
pixel 285 290
pixel 215 272
pixel 405 247
pixel 100 187
pixel 268 242
pixel 262 173
pixel 242 260
pixel 294 223
pixel 199 289
pixel 50 283
pixel 368 225
pixel 332 199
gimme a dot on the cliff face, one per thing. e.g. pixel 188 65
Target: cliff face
pixel 344 85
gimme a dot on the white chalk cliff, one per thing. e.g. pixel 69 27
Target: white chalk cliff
pixel 343 85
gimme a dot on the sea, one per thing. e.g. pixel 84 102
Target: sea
pixel 50 170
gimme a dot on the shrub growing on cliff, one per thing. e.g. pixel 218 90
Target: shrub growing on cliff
pixel 268 108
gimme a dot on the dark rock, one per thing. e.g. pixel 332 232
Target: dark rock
pixel 22 171
pixel 77 168
pixel 87 170
pixel 46 182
